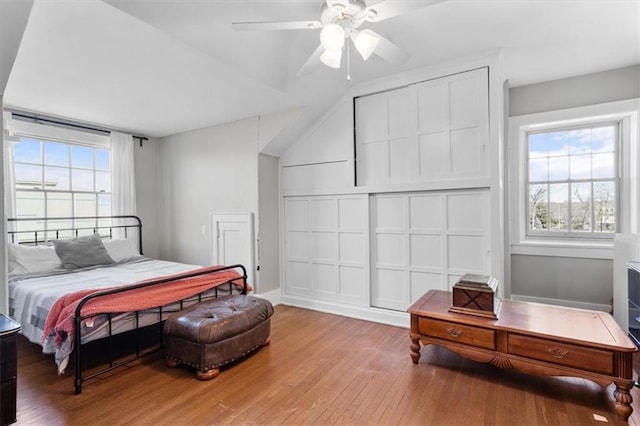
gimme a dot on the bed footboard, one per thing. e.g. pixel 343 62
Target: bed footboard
pixel 80 377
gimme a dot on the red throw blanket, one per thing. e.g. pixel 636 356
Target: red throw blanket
pixel 60 320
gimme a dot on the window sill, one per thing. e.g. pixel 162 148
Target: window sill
pixel 583 249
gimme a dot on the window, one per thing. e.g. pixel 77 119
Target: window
pixel 572 181
pixel 55 177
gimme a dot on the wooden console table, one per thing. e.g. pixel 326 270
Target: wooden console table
pixel 533 338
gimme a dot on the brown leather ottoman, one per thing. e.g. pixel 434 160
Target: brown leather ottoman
pixel 212 333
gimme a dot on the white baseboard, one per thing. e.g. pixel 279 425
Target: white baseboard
pixel 382 316
pixel 561 302
pixel 272 296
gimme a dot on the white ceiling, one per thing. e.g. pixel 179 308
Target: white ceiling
pixel 163 67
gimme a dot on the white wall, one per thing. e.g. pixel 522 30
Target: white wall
pixel 211 170
pixel 146 164
pixel 569 279
pixel 268 224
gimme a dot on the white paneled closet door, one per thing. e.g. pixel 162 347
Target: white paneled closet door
pixel 453 126
pixel 326 242
pixel 423 241
pixel 434 131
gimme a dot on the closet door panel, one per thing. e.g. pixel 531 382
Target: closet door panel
pixel 391 292
pixel 466 152
pixel 426 251
pixel 352 282
pixel 326 247
pixel 351 248
pixel 433 155
pixel 427 240
pixel 298 277
pixel 401 158
pixel 422 282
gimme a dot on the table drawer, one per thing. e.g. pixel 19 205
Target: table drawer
pixel 582 358
pixel 466 334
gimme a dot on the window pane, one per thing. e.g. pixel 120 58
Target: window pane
pixel 538 207
pixel 558 143
pixel 28 176
pixel 581 206
pixel 104 204
pixel 102 160
pixel 581 167
pixel 27 151
pixel 580 141
pixel 103 182
pixel 603 139
pixel 538 170
pixel 56 154
pixel 559 206
pixel 559 168
pixel 82 156
pixel 56 178
pixel 84 205
pixel 604 206
pixel 81 180
pixel 604 166
pixel 29 204
pixel 538 145
pixel 59 204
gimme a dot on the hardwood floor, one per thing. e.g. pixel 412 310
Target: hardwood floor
pixel 319 369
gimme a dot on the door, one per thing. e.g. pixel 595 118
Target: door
pixel 232 241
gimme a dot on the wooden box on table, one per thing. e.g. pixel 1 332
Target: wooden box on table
pixel 476 295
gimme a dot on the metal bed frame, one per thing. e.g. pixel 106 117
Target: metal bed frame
pixel 127 224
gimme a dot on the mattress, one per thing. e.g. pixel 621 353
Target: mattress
pixel 31 297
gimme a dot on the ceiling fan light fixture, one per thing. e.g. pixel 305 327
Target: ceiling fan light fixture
pixel 332 37
pixel 366 42
pixel 331 58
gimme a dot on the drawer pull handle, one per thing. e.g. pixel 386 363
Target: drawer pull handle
pixel 454 332
pixel 556 352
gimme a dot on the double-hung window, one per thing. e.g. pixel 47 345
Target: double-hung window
pixel 56 177
pixel 573 180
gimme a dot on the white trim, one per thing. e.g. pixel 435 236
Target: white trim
pixel 42 131
pixel 627 112
pixel 382 316
pixel 560 302
pixel 273 296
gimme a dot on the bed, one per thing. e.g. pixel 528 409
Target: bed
pixel 86 280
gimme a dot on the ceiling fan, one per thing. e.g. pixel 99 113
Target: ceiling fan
pixel 339 22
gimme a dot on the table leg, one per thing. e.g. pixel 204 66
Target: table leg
pixel 623 399
pixel 415 347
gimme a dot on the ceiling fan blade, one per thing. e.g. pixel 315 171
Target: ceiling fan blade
pixel 390 52
pixel 312 62
pixel 285 25
pixel 386 9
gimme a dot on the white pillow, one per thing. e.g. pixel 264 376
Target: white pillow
pixel 122 249
pixel 32 259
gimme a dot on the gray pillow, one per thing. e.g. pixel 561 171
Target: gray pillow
pixel 82 252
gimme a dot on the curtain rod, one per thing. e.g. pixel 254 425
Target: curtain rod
pixel 36 118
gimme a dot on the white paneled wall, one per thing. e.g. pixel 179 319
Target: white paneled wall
pixel 436 130
pixel 326 248
pixel 424 241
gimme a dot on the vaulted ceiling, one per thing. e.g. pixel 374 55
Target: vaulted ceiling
pixel 163 67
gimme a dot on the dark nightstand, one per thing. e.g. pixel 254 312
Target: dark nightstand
pixel 8 369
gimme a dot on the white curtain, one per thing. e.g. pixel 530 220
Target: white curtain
pixel 123 182
pixel 9 174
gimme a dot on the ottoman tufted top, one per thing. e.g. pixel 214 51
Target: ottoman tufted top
pixel 218 319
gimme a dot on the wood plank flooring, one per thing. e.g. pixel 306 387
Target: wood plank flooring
pixel 319 369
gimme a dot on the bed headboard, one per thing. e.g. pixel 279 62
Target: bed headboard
pixel 39 230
